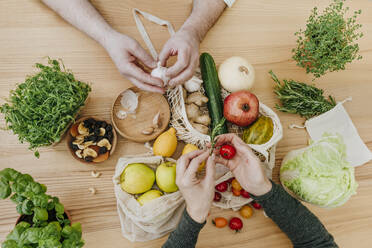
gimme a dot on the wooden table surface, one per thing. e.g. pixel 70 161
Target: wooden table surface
pixel 261 31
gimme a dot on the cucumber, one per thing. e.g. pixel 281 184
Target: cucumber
pixel 212 90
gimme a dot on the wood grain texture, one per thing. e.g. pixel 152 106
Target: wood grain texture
pixel 262 31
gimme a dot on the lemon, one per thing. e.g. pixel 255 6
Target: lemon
pixel 190 148
pixel 165 145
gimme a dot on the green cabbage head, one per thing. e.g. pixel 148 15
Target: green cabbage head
pixel 320 173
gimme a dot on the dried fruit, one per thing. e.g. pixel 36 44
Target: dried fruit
pixel 89 152
pixel 104 143
pixel 82 129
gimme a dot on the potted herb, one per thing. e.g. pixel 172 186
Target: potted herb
pixel 43 222
pixel 328 42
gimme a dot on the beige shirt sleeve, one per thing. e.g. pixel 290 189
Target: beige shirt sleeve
pixel 229 2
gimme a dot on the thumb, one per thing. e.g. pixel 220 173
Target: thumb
pixel 210 170
pixel 165 53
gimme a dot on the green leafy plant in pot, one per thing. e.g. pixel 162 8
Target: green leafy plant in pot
pixel 43 222
pixel 328 42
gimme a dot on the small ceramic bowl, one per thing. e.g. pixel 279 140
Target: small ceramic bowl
pixel 70 139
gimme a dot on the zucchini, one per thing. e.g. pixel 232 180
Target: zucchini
pixel 212 90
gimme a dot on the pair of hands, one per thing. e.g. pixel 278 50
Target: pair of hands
pixel 133 61
pixel 199 193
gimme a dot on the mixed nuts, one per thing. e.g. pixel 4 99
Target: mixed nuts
pixel 92 140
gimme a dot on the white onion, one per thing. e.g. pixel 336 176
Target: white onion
pixel 236 73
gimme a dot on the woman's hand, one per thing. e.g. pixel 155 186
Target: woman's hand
pixel 245 165
pixel 198 193
pixel 128 55
pixel 184 44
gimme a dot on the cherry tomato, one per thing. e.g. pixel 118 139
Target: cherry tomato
pixel 219 222
pixel 236 185
pixel 222 187
pixel 236 224
pixel 236 192
pixel 227 151
pixel 256 205
pixel 244 194
pixel 246 211
pixel 217 197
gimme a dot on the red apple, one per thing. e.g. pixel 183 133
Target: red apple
pixel 241 108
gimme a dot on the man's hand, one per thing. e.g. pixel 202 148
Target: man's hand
pixel 129 56
pixel 198 193
pixel 245 165
pixel 184 44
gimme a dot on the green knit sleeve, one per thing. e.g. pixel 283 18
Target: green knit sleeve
pixel 186 233
pixel 301 226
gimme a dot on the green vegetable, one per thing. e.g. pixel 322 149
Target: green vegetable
pixel 213 91
pixel 300 98
pixel 48 227
pixel 320 174
pixel 215 131
pixel 40 109
pixel 259 132
pixel 327 44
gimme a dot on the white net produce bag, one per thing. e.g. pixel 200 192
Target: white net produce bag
pixel 187 133
pixel 152 220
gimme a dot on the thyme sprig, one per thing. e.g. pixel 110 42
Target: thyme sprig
pixel 328 42
pixel 300 98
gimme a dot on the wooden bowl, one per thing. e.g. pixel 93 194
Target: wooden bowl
pixel 70 138
pixel 149 104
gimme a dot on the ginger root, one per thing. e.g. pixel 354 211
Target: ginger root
pixel 197 98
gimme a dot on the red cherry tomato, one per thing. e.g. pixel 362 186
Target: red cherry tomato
pixel 217 197
pixel 222 187
pixel 236 224
pixel 227 151
pixel 244 194
pixel 256 205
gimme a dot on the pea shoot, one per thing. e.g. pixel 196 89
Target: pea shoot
pixel 40 109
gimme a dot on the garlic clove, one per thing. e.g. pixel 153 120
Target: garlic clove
pixel 156 120
pixel 160 72
pixel 193 84
pixel 148 131
pixel 129 101
pixel 121 114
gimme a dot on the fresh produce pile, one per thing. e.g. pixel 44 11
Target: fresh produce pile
pixel 43 222
pixel 91 140
pixel 40 109
pixel 320 173
pixel 328 42
pixel 139 179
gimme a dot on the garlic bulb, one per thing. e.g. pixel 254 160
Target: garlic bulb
pixel 236 73
pixel 129 101
pixel 159 72
pixel 193 84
